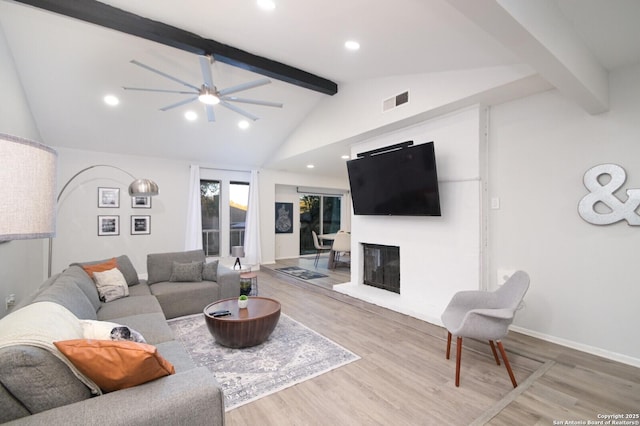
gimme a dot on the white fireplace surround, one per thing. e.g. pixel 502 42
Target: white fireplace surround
pixel 439 255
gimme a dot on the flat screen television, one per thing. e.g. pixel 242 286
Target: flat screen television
pixel 399 180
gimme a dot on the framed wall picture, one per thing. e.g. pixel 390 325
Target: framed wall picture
pixel 141 202
pixel 284 215
pixel 140 225
pixel 109 197
pixel 108 225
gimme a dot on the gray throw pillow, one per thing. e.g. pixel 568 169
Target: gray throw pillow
pixel 210 271
pixel 186 272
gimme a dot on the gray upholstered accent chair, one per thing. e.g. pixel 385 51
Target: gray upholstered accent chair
pixel 484 315
pixel 319 247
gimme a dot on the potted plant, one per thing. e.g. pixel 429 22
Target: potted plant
pixel 243 301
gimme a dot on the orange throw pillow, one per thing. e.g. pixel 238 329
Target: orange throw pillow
pixel 100 267
pixel 114 365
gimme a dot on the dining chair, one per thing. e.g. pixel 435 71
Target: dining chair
pixel 319 247
pixel 342 244
pixel 485 315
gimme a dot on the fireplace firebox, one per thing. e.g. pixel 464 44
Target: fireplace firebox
pixel 382 267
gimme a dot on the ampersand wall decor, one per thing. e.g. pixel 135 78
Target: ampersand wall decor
pixel 617 210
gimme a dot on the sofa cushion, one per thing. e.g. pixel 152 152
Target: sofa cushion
pixel 115 365
pixel 174 352
pixel 128 306
pixel 186 272
pixel 153 327
pixel 123 263
pixel 210 271
pixel 10 407
pixel 139 290
pixel 38 379
pixel 111 285
pixel 160 265
pixel 84 282
pixel 65 292
pixel 185 298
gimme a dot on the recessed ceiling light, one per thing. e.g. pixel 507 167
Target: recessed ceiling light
pixel 266 4
pixel 345 157
pixel 310 166
pixel 190 115
pixel 111 100
pixel 352 45
pixel 243 124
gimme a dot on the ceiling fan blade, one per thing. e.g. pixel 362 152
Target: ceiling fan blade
pixel 160 90
pixel 239 110
pixel 252 101
pixel 244 86
pixel 205 66
pixel 210 115
pixel 165 75
pixel 177 104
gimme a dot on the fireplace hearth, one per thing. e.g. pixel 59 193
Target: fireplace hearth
pixel 382 267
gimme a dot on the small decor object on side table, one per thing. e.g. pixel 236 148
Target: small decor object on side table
pixel 243 302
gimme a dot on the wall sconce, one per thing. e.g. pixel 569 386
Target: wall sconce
pixel 27 189
pixel 237 252
pixel 137 188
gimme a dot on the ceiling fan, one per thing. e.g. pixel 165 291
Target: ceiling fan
pixel 207 93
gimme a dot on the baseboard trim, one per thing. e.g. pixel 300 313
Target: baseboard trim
pixel 614 356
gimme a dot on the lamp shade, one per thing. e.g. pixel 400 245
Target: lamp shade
pixel 143 188
pixel 237 251
pixel 27 189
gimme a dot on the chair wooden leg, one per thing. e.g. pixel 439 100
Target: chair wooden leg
pixel 448 344
pixel 495 354
pixel 506 363
pixel 458 356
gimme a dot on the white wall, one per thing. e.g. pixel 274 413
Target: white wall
pixel 77 238
pixel 585 289
pixel 21 261
pixel 438 255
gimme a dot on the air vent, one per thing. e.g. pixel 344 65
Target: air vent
pixel 395 101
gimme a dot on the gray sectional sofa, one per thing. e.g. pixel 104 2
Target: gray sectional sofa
pixel 37 387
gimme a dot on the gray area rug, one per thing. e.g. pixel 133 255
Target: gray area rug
pixel 301 273
pixel 292 354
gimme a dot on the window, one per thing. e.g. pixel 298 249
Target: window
pixel 238 203
pixel 210 205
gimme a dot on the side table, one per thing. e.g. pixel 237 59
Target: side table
pixel 249 283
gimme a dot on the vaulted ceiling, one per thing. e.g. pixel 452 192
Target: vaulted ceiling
pixel 67 66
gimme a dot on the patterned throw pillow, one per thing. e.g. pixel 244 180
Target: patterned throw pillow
pixel 210 271
pixel 186 272
pixel 105 330
pixel 111 285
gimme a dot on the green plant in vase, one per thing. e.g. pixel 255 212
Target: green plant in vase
pixel 243 301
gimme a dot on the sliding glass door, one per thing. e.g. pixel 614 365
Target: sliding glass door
pixel 318 213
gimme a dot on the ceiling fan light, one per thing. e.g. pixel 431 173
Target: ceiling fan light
pixel 209 99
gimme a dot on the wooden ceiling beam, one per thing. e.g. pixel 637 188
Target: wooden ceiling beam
pixel 120 20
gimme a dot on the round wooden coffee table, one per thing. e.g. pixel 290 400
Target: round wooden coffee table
pixel 244 327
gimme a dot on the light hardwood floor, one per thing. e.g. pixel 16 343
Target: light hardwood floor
pixel 403 377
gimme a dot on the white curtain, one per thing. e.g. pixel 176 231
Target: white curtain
pixel 193 236
pixel 252 254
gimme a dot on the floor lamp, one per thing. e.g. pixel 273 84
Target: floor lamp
pixel 137 188
pixel 27 189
